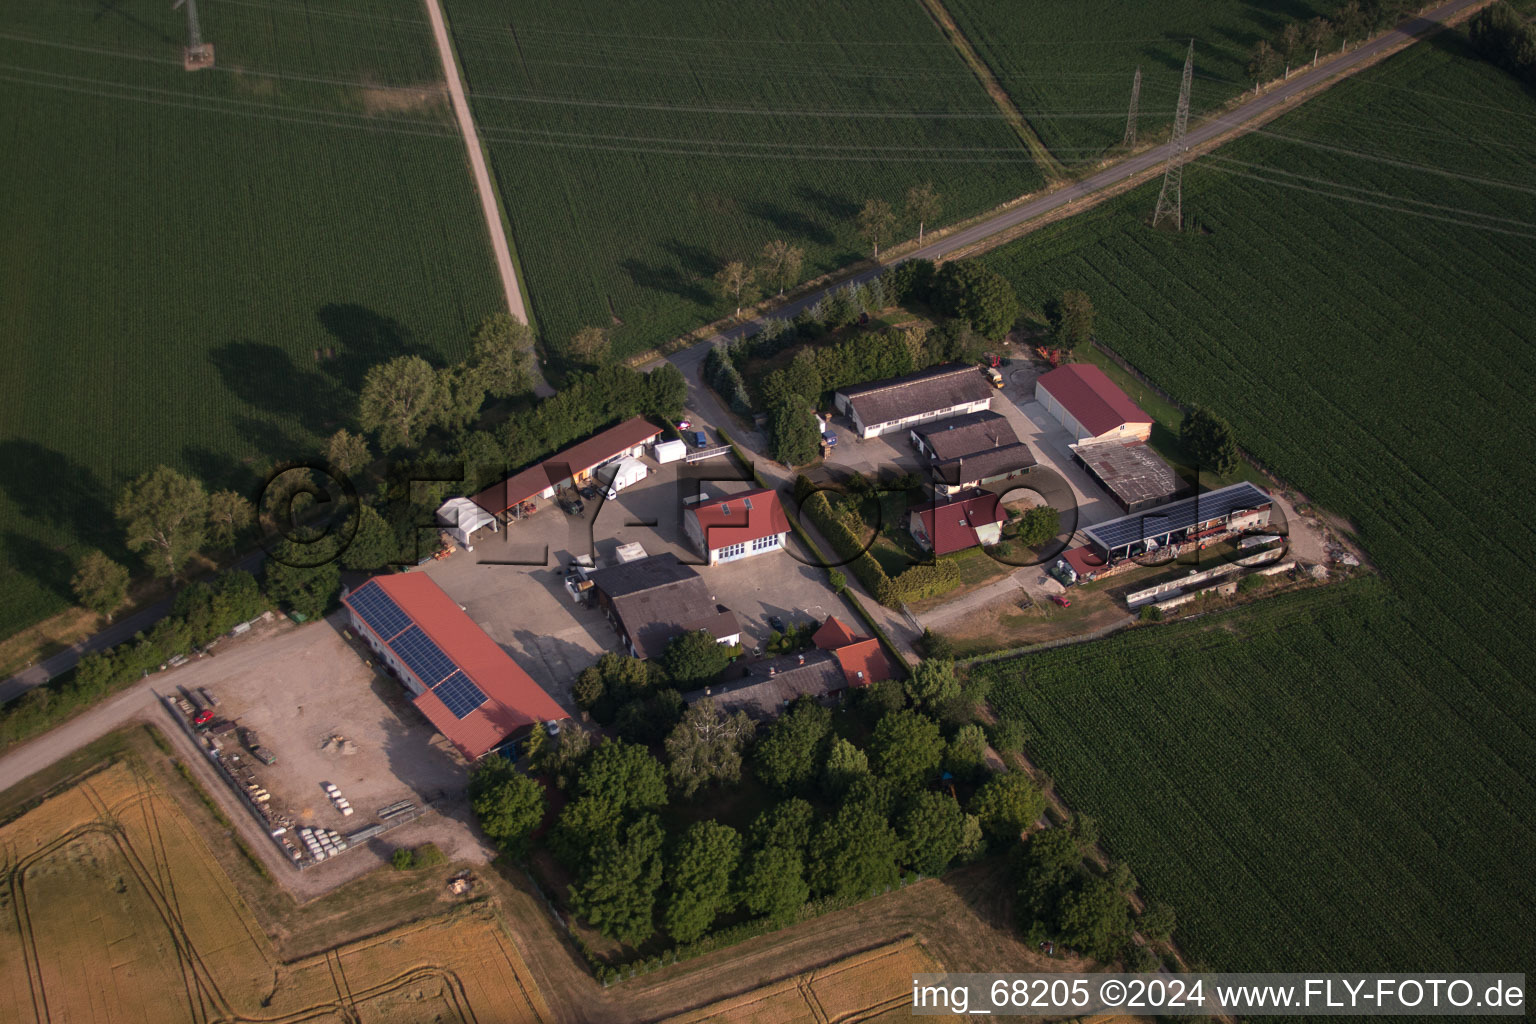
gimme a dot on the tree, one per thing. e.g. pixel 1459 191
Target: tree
pixel 695 658
pixel 734 280
pixel 773 884
pixel 906 748
pixel 978 295
pixel 1039 525
pixel 1047 865
pixel 618 892
pixel 1096 919
pixel 590 345
pixel 164 514
pixel 584 826
pixel 305 580
pixel 923 205
pixel 876 222
pixel 1157 922
pixel 605 687
pixel 501 355
pixel 700 879
pixel 845 762
pixel 966 755
pixel 399 400
pixel 780 263
pixel 508 804
pixel 1007 805
pixel 1075 324
pixel 347 453
pixel 932 829
pixel 706 746
pixel 932 684
pixel 460 394
pixel 373 545
pixel 624 773
pixel 1291 37
pixel 100 584
pixel 796 439
pixel 1317 35
pixel 228 514
pixel 1264 62
pixel 786 824
pixel 1208 440
pixel 854 854
pixel 788 755
pixel 1349 20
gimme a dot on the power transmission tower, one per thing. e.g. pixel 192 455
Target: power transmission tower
pixel 197 54
pixel 1130 119
pixel 1170 202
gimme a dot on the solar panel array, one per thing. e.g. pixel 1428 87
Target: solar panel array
pixel 378 610
pixel 459 695
pixel 423 657
pixel 1180 515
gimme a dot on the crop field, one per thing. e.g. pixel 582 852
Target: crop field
pixel 1338 780
pixel 1068 67
pixel 639 147
pixel 115 910
pixel 197 268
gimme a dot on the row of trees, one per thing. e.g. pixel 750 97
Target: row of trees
pixel 1501 36
pixel 877 220
pixel 1299 41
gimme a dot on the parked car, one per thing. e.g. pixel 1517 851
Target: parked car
pixel 829 439
pixel 1063 600
pixel 699 440
pixel 776 623
pixel 590 492
pixel 572 506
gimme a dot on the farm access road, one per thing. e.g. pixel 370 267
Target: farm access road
pixel 1208 134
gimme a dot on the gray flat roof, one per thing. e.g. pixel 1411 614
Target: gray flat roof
pixel 1179 515
pixel 1132 472
pixel 917 394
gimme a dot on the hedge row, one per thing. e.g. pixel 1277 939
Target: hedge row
pixel 721 374
pixel 914 583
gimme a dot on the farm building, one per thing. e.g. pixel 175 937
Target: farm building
pixel 861 658
pixel 651 600
pixel 1132 473
pixel 462 519
pixel 765 688
pixel 972 451
pixel 1227 509
pixel 888 405
pixel 738 526
pixel 947 525
pixel 461 679
pixel 1081 398
pixel 574 466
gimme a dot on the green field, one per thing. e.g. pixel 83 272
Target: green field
pixel 1348 780
pixel 1068 68
pixel 640 146
pixel 179 247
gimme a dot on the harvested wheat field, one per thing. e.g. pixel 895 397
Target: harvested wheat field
pixel 117 911
pixel 871 986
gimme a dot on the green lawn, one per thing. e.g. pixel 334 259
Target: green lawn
pixel 1341 779
pixel 197 269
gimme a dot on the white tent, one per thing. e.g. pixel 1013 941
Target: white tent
pixel 623 473
pixel 462 518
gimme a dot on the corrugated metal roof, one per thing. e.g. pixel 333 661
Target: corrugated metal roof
pixel 1091 397
pixel 944 387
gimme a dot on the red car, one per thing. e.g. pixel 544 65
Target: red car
pixel 203 717
pixel 1065 602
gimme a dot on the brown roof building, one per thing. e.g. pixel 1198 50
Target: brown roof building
pixel 972 451
pixel 765 688
pixel 886 405
pixel 651 600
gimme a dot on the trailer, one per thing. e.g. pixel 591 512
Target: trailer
pixel 264 755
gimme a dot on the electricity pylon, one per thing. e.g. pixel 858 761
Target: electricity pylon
pixel 1170 202
pixel 1130 119
pixel 197 54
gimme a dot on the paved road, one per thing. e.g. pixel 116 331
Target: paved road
pixel 1229 123
pixel 488 207
pixel 37 754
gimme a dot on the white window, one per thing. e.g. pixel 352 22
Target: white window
pixel 733 551
pixel 765 543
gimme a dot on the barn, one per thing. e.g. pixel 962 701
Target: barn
pixel 900 402
pixel 1087 403
pixel 1233 509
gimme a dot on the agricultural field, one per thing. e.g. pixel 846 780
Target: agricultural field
pixel 1342 780
pixel 197 268
pixel 1068 67
pixel 639 147
pixel 170 939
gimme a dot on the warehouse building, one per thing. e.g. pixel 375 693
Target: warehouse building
pixel 947 525
pixel 1132 473
pixel 570 468
pixel 461 679
pixel 976 450
pixel 1087 403
pixel 896 404
pixel 651 600
pixel 738 526
pixel 1212 514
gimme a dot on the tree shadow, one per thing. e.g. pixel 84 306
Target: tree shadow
pixel 275 444
pixel 51 488
pixel 365 340
pixel 836 208
pixel 695 259
pixel 51 568
pixel 219 472
pixel 265 376
pixel 793 223
pixel 665 279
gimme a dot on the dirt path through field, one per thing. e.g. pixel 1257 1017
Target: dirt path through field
pixel 488 205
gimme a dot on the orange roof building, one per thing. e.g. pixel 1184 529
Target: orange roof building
pixel 862 660
pixel 737 526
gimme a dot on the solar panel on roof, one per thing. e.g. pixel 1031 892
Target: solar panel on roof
pixel 378 610
pixel 1180 515
pixel 459 695
pixel 422 656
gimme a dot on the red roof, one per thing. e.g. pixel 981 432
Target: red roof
pixel 862 659
pixel 731 521
pixel 1091 397
pixel 952 526
pixel 514 701
pixel 1083 561
pixel 578 458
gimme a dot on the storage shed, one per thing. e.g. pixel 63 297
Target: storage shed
pixel 1083 399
